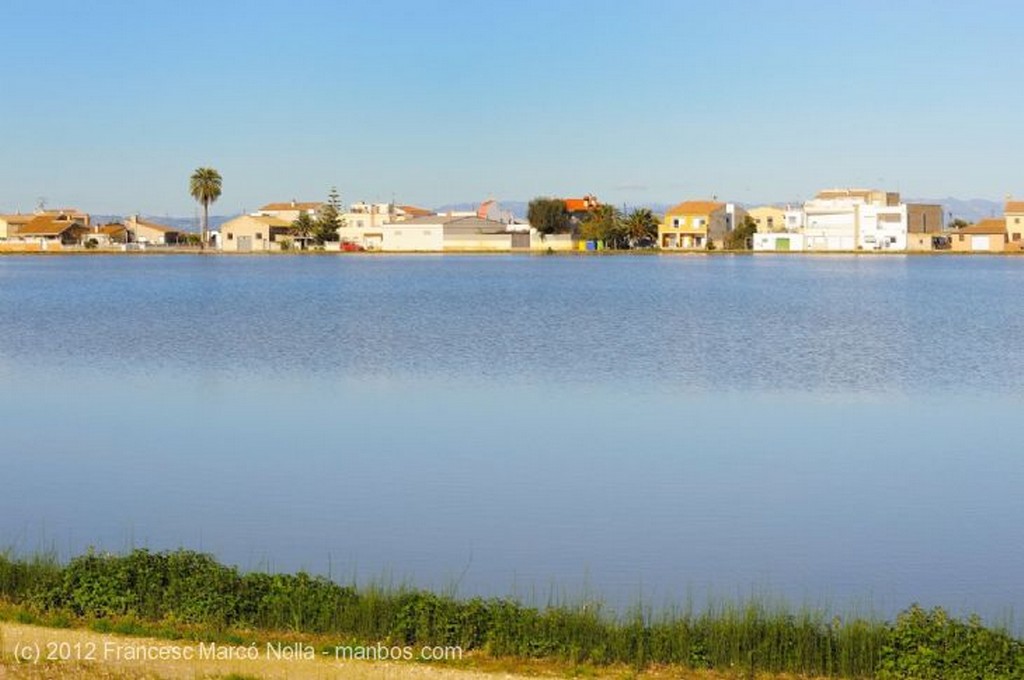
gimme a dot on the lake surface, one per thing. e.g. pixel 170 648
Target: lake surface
pixel 832 430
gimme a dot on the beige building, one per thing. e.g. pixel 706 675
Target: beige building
pixel 925 227
pixel 47 229
pixel 255 234
pixel 479 234
pixel 768 219
pixel 109 234
pixel 987 236
pixel 1014 215
pixel 439 233
pixel 10 224
pixel 144 231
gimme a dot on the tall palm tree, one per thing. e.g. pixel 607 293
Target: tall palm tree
pixel 204 186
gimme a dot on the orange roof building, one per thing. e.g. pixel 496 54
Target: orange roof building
pixel 697 225
pixel 53 228
pixel 987 236
pixel 581 205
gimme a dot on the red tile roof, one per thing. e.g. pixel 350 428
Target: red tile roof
pixel 695 208
pixel 992 225
pixel 585 204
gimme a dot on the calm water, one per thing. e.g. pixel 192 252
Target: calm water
pixel 830 429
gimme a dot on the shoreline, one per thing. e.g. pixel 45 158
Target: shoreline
pixel 171 251
pixel 186 598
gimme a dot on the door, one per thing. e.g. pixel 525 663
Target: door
pixel 245 244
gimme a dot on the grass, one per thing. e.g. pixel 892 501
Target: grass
pixel 184 594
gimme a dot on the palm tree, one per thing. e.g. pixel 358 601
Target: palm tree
pixel 204 186
pixel 641 225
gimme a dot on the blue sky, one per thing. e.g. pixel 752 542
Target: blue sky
pixel 111 105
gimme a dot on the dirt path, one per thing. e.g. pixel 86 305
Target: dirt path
pixel 88 655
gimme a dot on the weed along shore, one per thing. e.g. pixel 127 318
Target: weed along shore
pixel 187 611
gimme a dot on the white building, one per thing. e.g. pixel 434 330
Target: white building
pixel 793 219
pixel 882 227
pixel 778 242
pixel 855 219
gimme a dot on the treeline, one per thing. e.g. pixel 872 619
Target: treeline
pixel 606 223
pixel 191 588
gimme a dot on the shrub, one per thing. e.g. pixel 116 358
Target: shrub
pixel 931 645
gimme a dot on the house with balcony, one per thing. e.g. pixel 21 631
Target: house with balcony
pixel 692 225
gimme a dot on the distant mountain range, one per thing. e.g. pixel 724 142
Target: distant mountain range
pixel 970 210
pixel 185 224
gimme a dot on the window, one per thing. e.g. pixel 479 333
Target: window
pixel 675 222
pixel 230 236
pixel 259 235
pixel 1016 236
pixel 961 238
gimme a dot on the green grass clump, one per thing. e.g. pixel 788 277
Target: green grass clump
pixel 141 592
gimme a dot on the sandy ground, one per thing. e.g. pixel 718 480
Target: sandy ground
pixel 89 655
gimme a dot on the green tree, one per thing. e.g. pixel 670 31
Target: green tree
pixel 604 223
pixel 739 237
pixel 640 225
pixel 549 216
pixel 205 187
pixel 958 223
pixel 304 226
pixel 329 220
